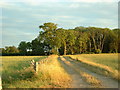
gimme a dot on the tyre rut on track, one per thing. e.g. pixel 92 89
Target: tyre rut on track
pixel 71 66
pixel 77 81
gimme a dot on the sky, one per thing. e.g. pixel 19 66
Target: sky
pixel 20 19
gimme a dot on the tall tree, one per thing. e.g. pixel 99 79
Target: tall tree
pixel 115 41
pixel 62 35
pixel 23 47
pixel 37 47
pixel 71 41
pixel 97 36
pixel 51 36
pixel 81 41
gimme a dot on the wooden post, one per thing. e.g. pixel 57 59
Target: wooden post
pixel 36 67
pixel 32 62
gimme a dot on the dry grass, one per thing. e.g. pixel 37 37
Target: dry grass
pixel 96 67
pixel 52 70
pixel 91 79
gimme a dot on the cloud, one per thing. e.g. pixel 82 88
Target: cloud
pixel 7 5
pixel 14 37
pixel 9 40
pixel 21 20
pixel 103 22
pixel 63 11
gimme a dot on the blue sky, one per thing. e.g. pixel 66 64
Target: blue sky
pixel 20 20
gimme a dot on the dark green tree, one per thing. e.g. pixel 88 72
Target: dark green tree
pixel 23 46
pixel 11 49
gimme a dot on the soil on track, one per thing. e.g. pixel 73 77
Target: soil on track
pixel 78 82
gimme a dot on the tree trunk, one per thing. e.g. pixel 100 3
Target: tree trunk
pixel 80 50
pixel 57 50
pixel 90 45
pixel 94 43
pixel 116 50
pixel 102 44
pixel 65 48
pixel 72 51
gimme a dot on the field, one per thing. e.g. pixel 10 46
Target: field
pixel 106 64
pixel 15 69
pixel 110 60
pixel 17 72
pixel 69 71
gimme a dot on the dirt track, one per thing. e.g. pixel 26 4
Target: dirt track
pixel 72 67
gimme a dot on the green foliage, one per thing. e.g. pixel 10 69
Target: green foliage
pixel 17 69
pixel 9 50
pixel 50 35
pixel 54 51
pixel 2 50
pixel 54 40
pixel 37 47
pixel 23 47
pixel 48 27
pixel 97 51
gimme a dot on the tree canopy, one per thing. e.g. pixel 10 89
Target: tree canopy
pixel 54 40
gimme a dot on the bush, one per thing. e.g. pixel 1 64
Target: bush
pixel 98 51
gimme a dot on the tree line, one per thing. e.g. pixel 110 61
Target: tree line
pixel 54 40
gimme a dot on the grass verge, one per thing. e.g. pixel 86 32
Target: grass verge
pixel 54 73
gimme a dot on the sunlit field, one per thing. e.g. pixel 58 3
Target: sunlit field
pixel 17 72
pixel 16 68
pixel 110 60
pixel 100 63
